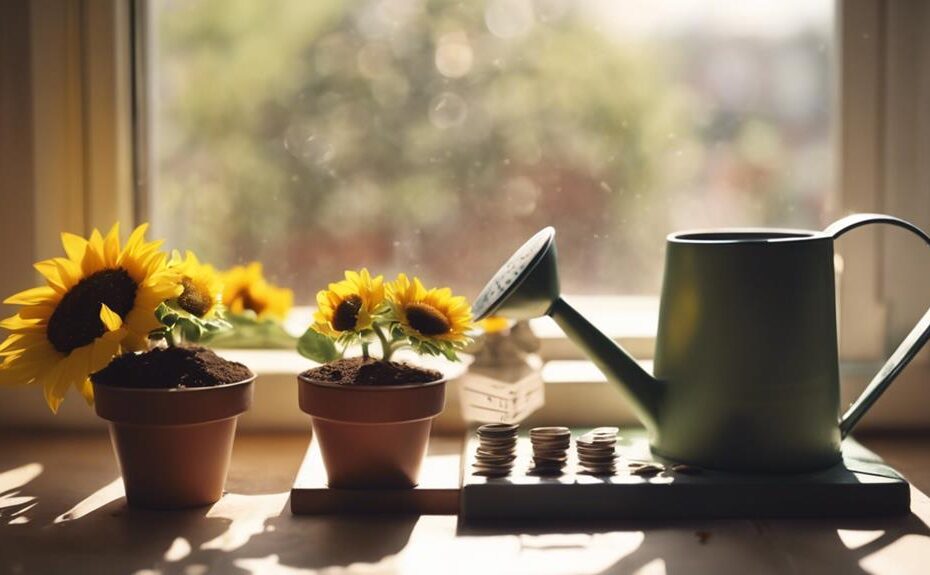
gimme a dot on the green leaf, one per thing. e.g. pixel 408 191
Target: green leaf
pixel 191 330
pixel 167 316
pixel 250 334
pixel 448 352
pixel 216 325
pixel 318 347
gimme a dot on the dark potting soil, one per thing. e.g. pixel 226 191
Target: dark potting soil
pixel 166 368
pixel 359 371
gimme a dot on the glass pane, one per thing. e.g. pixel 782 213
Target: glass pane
pixel 433 137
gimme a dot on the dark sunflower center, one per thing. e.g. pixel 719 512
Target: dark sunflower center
pixel 426 319
pixel 76 320
pixel 248 302
pixel 346 313
pixel 193 300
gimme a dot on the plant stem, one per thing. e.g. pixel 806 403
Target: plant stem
pixel 169 338
pixel 386 348
pixel 364 350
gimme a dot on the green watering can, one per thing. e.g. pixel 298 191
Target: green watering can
pixel 746 369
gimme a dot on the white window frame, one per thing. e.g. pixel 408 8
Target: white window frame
pixel 88 171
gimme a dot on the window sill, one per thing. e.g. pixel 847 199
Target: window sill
pixel 576 391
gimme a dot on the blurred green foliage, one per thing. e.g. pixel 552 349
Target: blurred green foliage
pixel 320 136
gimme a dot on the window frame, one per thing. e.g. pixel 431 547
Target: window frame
pixel 90 122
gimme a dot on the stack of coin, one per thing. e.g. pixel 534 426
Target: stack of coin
pixel 596 448
pixel 497 446
pixel 550 449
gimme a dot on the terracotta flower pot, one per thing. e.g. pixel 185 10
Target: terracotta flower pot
pixel 372 435
pixel 173 445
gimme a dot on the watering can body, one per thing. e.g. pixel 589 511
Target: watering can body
pixel 746 371
pixel 746 352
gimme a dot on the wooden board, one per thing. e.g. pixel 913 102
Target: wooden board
pixel 437 494
pixel 862 486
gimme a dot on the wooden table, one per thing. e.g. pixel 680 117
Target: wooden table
pixel 61 511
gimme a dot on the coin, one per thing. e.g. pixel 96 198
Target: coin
pixel 497 429
pixel 498 461
pixel 648 470
pixel 550 432
pixel 596 451
pixel 550 450
pixel 492 472
pixel 686 469
pixel 544 472
pixel 496 451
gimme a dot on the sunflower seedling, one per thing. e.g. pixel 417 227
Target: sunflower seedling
pixel 361 310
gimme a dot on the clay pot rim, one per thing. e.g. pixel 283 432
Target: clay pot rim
pixel 372 388
pixel 172 406
pixel 143 390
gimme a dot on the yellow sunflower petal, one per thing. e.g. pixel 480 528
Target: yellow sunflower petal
pixel 40 312
pixel 69 271
pixel 111 320
pixel 136 239
pixel 86 389
pixel 93 256
pixel 19 373
pixel 49 271
pixel 33 296
pixel 111 251
pixel 48 379
pixel 135 342
pixel 74 246
pixel 15 323
pixel 11 340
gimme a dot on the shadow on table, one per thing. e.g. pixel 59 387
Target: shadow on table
pixel 718 546
pixel 238 534
pixel 62 510
pixel 59 514
pixel 318 542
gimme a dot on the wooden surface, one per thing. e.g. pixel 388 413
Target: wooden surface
pixel 61 511
pixel 862 486
pixel 437 493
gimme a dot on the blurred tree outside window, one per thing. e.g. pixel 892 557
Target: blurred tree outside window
pixel 433 136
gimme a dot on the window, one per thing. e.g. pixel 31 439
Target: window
pixel 435 136
pixel 221 82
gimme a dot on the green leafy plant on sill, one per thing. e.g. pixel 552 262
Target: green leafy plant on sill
pixel 255 309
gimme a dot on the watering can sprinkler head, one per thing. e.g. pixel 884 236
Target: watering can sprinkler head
pixel 527 286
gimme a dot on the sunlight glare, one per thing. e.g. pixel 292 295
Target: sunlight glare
pixel 103 496
pixel 856 538
pixel 16 478
pixel 247 515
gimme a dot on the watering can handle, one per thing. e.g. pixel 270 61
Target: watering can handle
pixel 905 352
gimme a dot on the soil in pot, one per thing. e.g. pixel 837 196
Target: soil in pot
pixel 172 367
pixel 360 371
pixel 172 415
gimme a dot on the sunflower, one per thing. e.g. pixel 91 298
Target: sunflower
pixel 429 315
pixel 203 289
pixel 98 301
pixel 246 289
pixel 350 305
pixel 494 324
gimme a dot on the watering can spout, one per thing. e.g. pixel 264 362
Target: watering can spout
pixel 640 389
pixel 527 286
